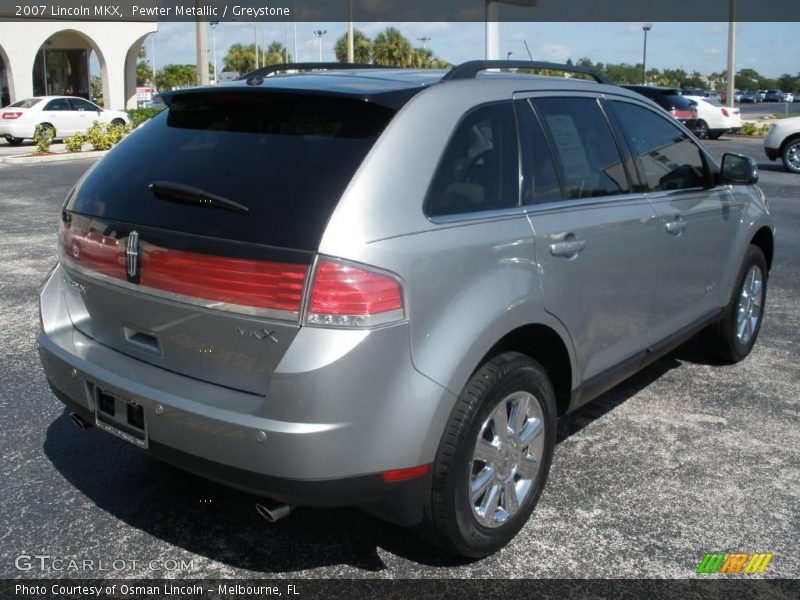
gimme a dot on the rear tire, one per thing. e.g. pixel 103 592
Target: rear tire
pixel 715 135
pixel 701 130
pixel 14 141
pixel 487 477
pixel 118 122
pixel 791 155
pixel 732 337
pixel 50 127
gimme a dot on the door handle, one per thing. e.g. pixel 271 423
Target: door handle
pixel 569 249
pixel 675 227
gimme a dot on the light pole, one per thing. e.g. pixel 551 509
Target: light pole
pixel 350 43
pixel 214 48
pixel 424 40
pixel 319 33
pixel 646 27
pixel 508 55
pixel 731 55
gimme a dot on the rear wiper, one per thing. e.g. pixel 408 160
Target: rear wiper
pixel 177 192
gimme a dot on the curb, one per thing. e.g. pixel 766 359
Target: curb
pixel 58 157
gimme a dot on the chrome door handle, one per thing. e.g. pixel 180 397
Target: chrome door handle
pixel 568 249
pixel 675 227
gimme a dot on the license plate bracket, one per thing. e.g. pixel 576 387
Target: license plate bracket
pixel 121 417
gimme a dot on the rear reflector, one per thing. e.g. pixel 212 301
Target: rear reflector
pixel 405 474
pixel 11 115
pixel 346 296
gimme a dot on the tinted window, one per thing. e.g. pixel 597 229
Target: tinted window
pixel 668 158
pixel 58 104
pixel 287 157
pixel 78 104
pixel 540 182
pixel 479 170
pixel 588 157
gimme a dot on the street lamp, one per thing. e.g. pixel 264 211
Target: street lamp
pixel 646 27
pixel 508 55
pixel 424 40
pixel 213 25
pixel 319 33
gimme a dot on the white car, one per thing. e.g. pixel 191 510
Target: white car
pixel 788 97
pixel 64 115
pixel 783 141
pixel 714 118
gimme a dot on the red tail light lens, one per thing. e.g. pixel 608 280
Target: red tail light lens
pixel 233 281
pixel 93 251
pixel 346 296
pixel 725 112
pixel 406 474
pixel 11 115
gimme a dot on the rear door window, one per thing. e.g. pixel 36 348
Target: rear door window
pixel 479 170
pixel 588 157
pixel 287 157
pixel 540 182
pixel 668 158
pixel 84 105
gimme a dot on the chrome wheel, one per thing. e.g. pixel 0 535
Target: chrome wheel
pixel 749 309
pixel 792 156
pixel 506 459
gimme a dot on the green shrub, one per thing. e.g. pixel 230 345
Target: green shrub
pixel 99 137
pixel 117 132
pixel 140 115
pixel 74 143
pixel 43 136
pixel 754 129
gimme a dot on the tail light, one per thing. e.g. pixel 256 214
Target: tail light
pixel 725 112
pixel 343 295
pixel 93 251
pixel 12 115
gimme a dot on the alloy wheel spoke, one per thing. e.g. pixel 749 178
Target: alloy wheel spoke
pixel 500 420
pixel 519 415
pixel 532 430
pixel 480 483
pixel 510 502
pixel 486 452
pixel 491 502
pixel 527 467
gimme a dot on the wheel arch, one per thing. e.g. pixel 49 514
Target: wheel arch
pixel 765 241
pixel 789 138
pixel 546 346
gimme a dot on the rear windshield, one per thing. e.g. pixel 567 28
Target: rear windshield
pixel 287 157
pixel 27 103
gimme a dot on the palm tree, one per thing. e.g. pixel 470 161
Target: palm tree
pixel 240 58
pixel 362 48
pixel 392 49
pixel 276 53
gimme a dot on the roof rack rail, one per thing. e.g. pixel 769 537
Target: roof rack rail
pixel 470 69
pixel 309 66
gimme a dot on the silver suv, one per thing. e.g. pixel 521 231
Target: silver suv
pixel 381 288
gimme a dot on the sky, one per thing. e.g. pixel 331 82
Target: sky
pixel 770 48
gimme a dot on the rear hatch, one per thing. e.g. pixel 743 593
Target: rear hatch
pixel 190 244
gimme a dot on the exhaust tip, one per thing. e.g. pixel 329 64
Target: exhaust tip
pixel 273 511
pixel 80 421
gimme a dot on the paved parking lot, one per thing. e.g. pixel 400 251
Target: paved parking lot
pixel 684 458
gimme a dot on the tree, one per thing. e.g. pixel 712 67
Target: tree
pixel 144 74
pixel 362 48
pixel 240 58
pixel 276 53
pixel 748 79
pixel 176 76
pixel 390 48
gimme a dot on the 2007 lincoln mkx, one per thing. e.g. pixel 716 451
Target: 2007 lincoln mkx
pixel 394 282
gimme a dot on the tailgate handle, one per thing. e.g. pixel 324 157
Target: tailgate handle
pixel 142 340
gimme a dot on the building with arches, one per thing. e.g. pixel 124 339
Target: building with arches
pixel 52 58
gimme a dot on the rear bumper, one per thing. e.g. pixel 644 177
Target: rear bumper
pixel 329 425
pixel 772 153
pixel 15 130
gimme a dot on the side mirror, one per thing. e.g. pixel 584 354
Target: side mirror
pixel 738 169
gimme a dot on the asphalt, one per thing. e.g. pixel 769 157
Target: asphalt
pixel 684 458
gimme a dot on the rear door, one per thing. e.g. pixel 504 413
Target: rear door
pixel 696 221
pixel 189 245
pixel 595 234
pixel 85 113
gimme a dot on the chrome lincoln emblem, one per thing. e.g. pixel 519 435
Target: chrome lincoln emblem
pixel 132 255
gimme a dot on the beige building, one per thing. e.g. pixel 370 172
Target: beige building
pixel 52 58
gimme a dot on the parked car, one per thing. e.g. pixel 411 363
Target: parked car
pixel 762 94
pixel 713 96
pixel 750 98
pixel 773 96
pixel 737 96
pixel 783 141
pixel 428 270
pixel 671 100
pixel 62 115
pixel 788 97
pixel 714 119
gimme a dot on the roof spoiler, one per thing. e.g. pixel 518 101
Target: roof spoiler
pixel 470 69
pixel 309 66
